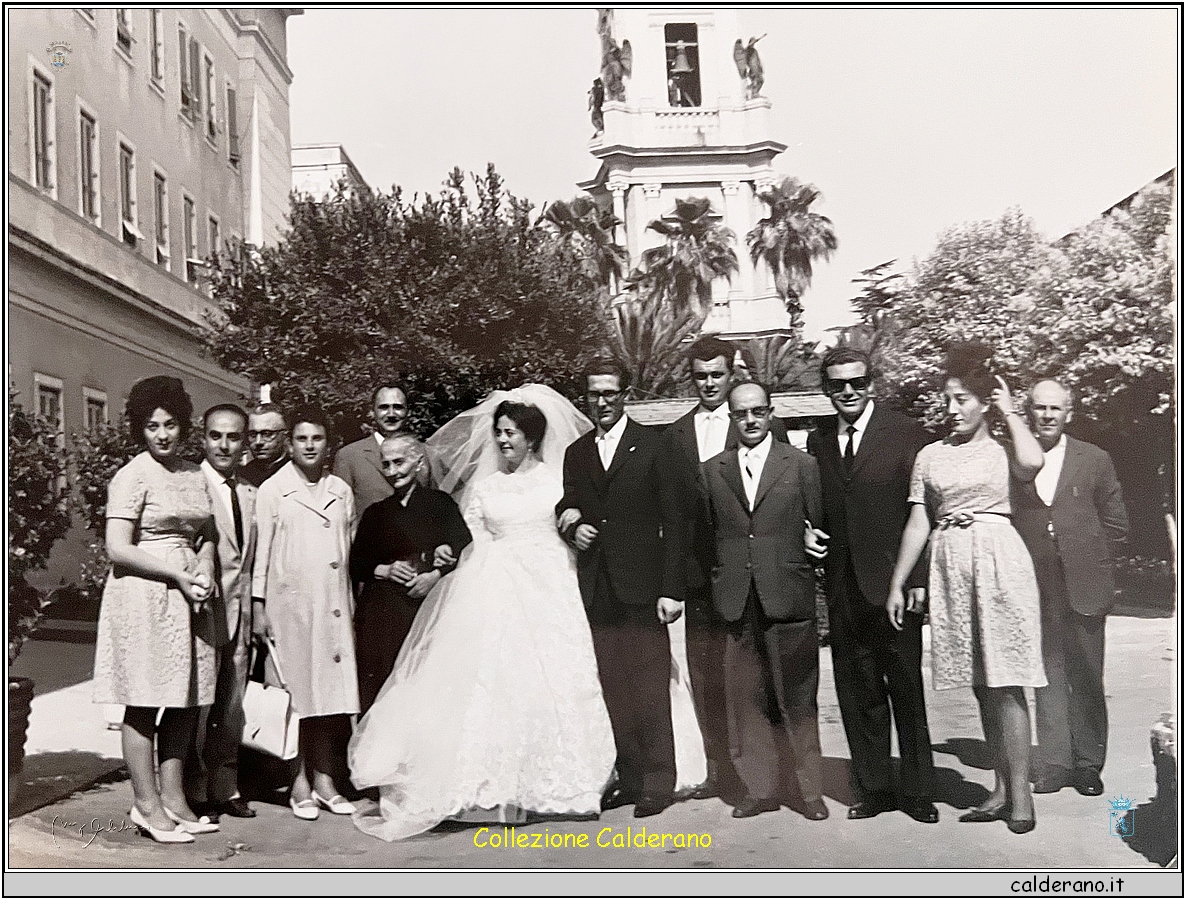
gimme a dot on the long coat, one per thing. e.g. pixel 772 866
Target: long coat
pixel 302 570
pixel 765 546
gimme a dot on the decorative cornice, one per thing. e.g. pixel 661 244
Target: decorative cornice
pixel 252 28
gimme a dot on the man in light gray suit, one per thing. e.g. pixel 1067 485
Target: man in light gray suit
pixel 212 770
pixel 359 464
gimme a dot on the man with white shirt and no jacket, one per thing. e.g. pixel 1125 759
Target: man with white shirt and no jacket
pixel 1074 523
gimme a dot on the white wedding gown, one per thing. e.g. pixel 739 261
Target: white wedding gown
pixel 494 700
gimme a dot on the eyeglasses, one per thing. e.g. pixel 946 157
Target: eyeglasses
pixel 758 412
pixel 268 435
pixel 836 385
pixel 607 396
pixel 704 376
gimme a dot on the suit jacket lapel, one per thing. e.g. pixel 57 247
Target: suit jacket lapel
pixel 371 451
pixel 625 447
pixel 776 462
pixel 685 435
pixel 1069 461
pixel 868 440
pixel 731 473
pixel 591 461
pixel 222 516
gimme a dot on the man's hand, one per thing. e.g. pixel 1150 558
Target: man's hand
pixel 401 572
pixel 443 558
pixel 815 541
pixel 669 610
pixel 916 599
pixel 567 519
pixel 261 628
pixel 584 537
pixel 894 606
pixel 420 585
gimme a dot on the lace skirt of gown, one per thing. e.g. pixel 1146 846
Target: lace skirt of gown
pixel 494 700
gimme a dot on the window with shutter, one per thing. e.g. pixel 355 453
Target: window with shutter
pixel 123 31
pixel 187 90
pixel 195 78
pixel 43 133
pixel 232 126
pixel 88 166
pixel 157 27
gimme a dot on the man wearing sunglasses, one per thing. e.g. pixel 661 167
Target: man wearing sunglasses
pixel 267 435
pixel 760 496
pixel 866 454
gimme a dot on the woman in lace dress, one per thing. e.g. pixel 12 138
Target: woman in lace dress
pixel 155 644
pixel 494 702
pixel 983 595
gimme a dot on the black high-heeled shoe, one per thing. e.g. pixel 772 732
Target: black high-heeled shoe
pixel 986 815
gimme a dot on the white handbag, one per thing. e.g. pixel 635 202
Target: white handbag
pixel 269 724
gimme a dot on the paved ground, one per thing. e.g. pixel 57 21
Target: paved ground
pixel 69 745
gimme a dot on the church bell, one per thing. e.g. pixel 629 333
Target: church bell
pixel 680 66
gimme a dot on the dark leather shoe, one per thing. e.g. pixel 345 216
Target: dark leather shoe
pixel 986 815
pixel 706 791
pixel 921 811
pixel 1051 780
pixel 650 805
pixel 872 805
pixel 813 810
pixel 1088 783
pixel 615 797
pixel 750 807
pixel 236 807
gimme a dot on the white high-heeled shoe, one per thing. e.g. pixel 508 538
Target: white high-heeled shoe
pixel 202 826
pixel 177 836
pixel 304 809
pixel 337 804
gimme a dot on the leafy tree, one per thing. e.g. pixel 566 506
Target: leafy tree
pixel 589 230
pixel 458 294
pixel 646 339
pixel 790 239
pixel 697 250
pixel 782 363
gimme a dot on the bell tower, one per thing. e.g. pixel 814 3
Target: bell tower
pixel 679 114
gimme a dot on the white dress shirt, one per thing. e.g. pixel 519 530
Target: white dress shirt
pixel 219 488
pixel 607 444
pixel 1046 481
pixel 752 460
pixel 860 425
pixel 379 438
pixel 712 430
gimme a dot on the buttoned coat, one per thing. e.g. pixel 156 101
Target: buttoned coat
pixel 764 546
pixel 232 563
pixel 302 571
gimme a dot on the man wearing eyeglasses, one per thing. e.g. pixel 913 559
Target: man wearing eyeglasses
pixel 620 512
pixel 866 454
pixel 267 434
pixel 699 435
pixel 760 497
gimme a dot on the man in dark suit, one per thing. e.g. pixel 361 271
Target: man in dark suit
pixel 865 457
pixel 1072 519
pixel 267 435
pixel 763 586
pixel 397 558
pixel 699 435
pixel 621 514
pixel 358 464
pixel 212 768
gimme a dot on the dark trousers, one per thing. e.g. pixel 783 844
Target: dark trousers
pixel 382 621
pixel 1071 711
pixel 878 671
pixel 772 672
pixel 634 662
pixel 705 638
pixel 212 764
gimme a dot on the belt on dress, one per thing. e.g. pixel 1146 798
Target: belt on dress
pixel 962 518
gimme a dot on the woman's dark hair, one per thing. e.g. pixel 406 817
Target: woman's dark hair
pixel 527 418
pixel 158 392
pixel 312 415
pixel 971 363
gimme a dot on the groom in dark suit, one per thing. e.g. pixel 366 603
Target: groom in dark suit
pixel 865 457
pixel 620 512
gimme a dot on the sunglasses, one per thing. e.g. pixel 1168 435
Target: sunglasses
pixel 758 412
pixel 836 385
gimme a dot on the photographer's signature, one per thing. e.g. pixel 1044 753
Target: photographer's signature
pixel 88 830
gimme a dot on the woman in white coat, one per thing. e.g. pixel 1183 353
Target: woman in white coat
pixel 302 599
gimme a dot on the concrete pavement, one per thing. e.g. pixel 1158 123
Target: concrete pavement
pixel 90 828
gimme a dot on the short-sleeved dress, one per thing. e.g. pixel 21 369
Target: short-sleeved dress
pixel 983 595
pixel 152 649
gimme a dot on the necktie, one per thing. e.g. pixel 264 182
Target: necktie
pixel 849 450
pixel 236 512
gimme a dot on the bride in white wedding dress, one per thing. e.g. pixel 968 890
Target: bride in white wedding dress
pixel 494 701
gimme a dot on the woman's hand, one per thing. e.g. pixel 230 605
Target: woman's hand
pixel 195 587
pixel 401 572
pixel 1001 398
pixel 420 585
pixel 442 557
pixel 895 606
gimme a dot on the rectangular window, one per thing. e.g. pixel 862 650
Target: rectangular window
pixel 157 27
pixel 232 126
pixel 190 223
pixel 213 237
pixel 123 31
pixel 47 393
pixel 88 166
pixel 44 163
pixel 189 65
pixel 127 195
pixel 683 64
pixel 160 209
pixel 211 112
pixel 94 409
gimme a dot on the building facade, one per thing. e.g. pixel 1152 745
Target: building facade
pixel 683 123
pixel 317 169
pixel 142 142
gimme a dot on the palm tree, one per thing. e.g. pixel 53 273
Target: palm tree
pixel 589 231
pixel 696 252
pixel 782 362
pixel 790 239
pixel 646 338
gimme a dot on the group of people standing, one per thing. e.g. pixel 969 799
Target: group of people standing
pixel 476 628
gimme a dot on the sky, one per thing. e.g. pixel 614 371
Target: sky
pixel 908 120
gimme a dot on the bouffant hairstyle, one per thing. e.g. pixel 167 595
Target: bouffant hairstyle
pixel 158 392
pixel 842 356
pixel 312 415
pixel 606 366
pixel 971 363
pixel 709 348
pixel 527 418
